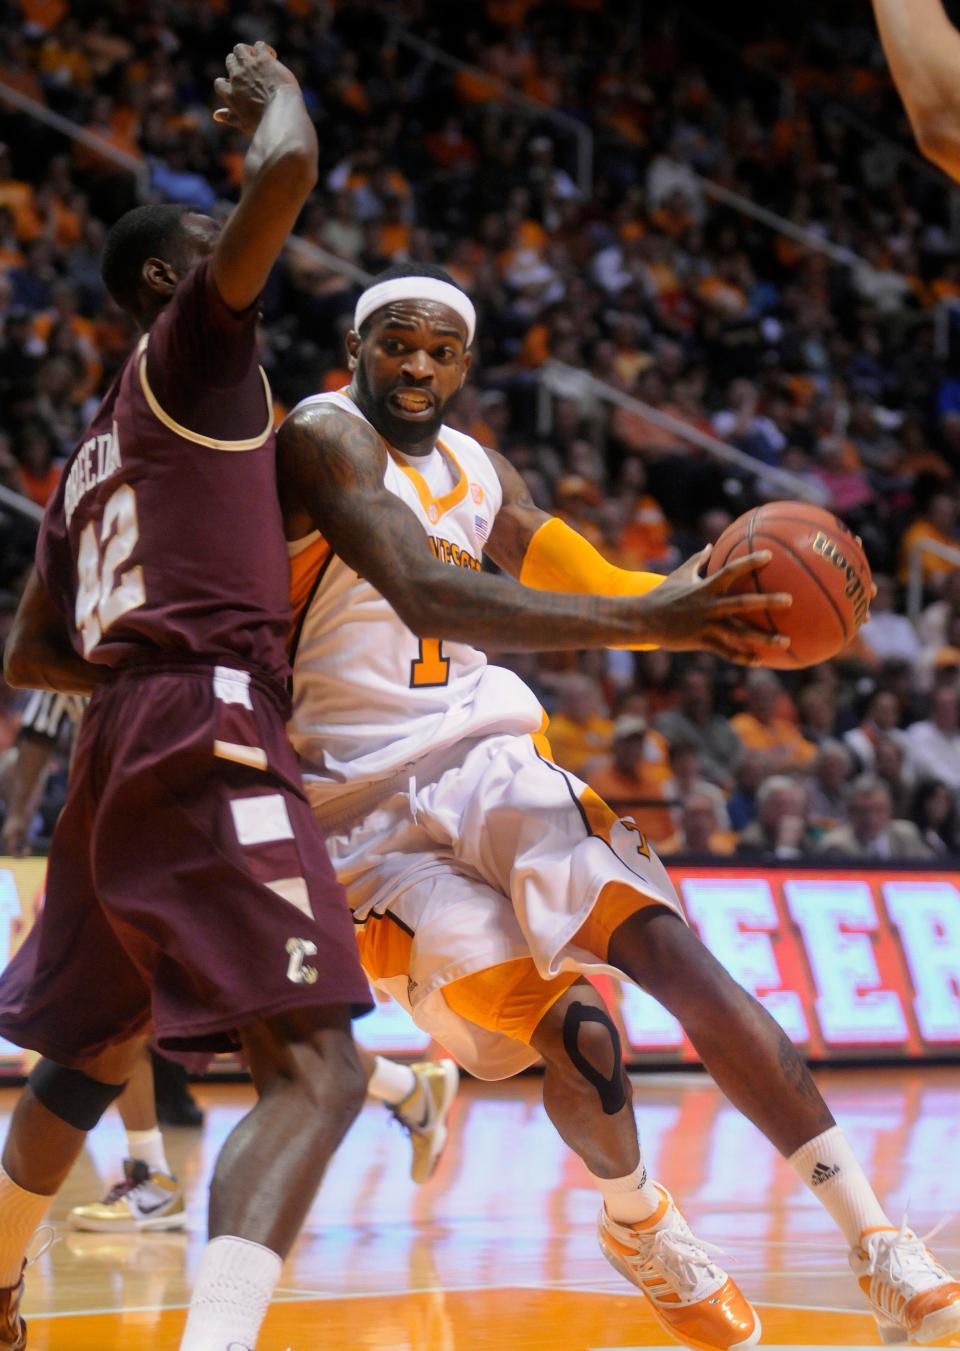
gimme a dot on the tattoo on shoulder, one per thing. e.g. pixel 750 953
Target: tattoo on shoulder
pixel 329 444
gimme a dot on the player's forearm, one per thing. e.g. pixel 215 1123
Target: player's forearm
pixel 34 663
pixel 485 611
pixel 923 50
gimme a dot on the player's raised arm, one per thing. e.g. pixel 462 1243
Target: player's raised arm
pixel 332 474
pixel 923 49
pixel 262 99
pixel 38 654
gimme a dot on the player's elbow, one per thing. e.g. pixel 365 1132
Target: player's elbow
pixel 937 133
pixel 18 668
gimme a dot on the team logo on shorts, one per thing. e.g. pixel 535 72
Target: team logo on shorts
pixel 298 949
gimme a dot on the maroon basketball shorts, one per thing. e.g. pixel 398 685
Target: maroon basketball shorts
pixel 188 885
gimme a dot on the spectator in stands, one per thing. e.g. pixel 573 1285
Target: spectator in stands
pixel 832 768
pixel 935 619
pixel 870 830
pixel 881 719
pixel 633 779
pixel 700 830
pixel 937 524
pixel 696 722
pixel 887 633
pixel 888 765
pixel 933 744
pixel 687 777
pixel 579 728
pixel 742 804
pixel 817 707
pixel 760 728
pixel 933 810
pixel 781 829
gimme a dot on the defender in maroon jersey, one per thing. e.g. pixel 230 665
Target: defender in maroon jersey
pixel 187 886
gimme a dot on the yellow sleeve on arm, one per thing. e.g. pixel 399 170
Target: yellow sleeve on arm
pixel 558 559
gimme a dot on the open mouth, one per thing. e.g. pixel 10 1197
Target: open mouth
pixel 412 402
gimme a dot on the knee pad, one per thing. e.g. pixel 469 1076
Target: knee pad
pixel 610 1089
pixel 72 1095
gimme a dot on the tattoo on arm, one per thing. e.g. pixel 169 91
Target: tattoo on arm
pixel 332 466
pixel 518 519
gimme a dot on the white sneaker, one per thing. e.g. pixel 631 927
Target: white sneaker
pixel 425 1119
pixel 693 1298
pixel 913 1298
pixel 142 1202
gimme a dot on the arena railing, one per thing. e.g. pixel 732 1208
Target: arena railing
pixel 925 547
pixel 790 96
pixel 20 504
pixel 558 380
pixel 568 126
pixel 23 103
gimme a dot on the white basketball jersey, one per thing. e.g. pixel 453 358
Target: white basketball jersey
pixel 368 696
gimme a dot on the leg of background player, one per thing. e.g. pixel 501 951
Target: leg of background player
pixel 311 1087
pixel 752 1060
pixel 419 1097
pixel 143 1195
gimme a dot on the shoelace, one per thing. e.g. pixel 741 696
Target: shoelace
pixel 685 1260
pixel 906 1253
pixel 122 1189
pixel 46 1243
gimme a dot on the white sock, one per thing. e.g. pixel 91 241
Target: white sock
pixel 829 1167
pixel 148 1147
pixel 390 1082
pixel 21 1212
pixel 629 1199
pixel 231 1295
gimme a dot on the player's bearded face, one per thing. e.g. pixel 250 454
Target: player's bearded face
pixel 408 375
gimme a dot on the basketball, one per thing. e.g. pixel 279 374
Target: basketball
pixel 818 561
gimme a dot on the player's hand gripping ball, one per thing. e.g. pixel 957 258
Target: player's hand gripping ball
pixel 818 561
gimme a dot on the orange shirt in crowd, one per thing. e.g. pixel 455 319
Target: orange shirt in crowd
pixel 574 743
pixel 632 794
pixel 778 737
pixel 932 566
pixel 39 490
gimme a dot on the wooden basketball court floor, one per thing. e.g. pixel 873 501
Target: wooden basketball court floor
pixel 497 1252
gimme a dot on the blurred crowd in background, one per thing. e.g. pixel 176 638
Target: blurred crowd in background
pixel 842 367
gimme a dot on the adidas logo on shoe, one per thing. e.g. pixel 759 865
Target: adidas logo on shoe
pixel 822 1173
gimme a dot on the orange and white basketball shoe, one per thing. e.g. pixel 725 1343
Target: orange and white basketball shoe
pixel 913 1298
pixel 693 1299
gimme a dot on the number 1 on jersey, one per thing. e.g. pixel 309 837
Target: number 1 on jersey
pixel 431 667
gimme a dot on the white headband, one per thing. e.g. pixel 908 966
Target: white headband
pixel 416 288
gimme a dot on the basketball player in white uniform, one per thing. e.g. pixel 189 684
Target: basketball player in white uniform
pixel 484 879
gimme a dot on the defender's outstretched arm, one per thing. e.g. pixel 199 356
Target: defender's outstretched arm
pixel 923 49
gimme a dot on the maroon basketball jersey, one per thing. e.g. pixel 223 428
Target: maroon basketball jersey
pixel 164 538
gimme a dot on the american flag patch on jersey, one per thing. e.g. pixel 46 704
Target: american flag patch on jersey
pixel 482 525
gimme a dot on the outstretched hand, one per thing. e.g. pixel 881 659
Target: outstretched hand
pixel 253 77
pixel 689 611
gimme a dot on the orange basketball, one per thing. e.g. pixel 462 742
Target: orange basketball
pixel 818 561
